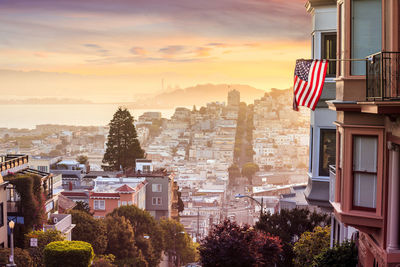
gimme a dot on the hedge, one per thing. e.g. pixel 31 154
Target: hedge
pixel 68 254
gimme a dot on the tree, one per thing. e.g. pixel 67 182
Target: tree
pixel 289 225
pixel 82 159
pixel 121 242
pixel 177 242
pixel 229 244
pixel 68 254
pixel 249 169
pixel 311 244
pixel 82 206
pixel 123 147
pixel 234 173
pixel 90 230
pixel 144 224
pixel 341 255
pixel 43 238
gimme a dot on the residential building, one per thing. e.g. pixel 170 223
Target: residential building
pixel 233 99
pixel 322 130
pixel 366 177
pixel 111 193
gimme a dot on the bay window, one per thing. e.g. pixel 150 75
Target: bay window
pixel 365 154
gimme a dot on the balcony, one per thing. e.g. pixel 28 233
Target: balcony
pixel 383 76
pixel 12 163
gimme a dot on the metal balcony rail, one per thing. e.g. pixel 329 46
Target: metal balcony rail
pixel 383 76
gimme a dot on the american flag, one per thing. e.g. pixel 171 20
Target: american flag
pixel 309 78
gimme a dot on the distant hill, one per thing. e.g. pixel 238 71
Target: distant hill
pixel 199 95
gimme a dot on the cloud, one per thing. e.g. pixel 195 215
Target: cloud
pixel 171 50
pixel 218 44
pixel 139 51
pixel 202 51
pixel 91 45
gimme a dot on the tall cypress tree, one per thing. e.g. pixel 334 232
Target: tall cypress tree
pixel 123 147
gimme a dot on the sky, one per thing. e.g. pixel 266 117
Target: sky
pixel 121 49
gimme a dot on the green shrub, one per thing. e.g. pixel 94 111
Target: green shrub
pixel 43 238
pixel 21 257
pixel 68 254
pixel 344 254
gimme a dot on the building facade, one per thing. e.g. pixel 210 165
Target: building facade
pixel 366 176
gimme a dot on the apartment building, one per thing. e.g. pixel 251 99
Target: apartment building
pixel 366 176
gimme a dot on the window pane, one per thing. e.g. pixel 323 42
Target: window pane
pixel 366 32
pixel 329 52
pixel 327 150
pixel 365 153
pixel 364 190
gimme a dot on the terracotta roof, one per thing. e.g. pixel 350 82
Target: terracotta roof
pixel 65 203
pixel 106 195
pixel 74 194
pixel 125 188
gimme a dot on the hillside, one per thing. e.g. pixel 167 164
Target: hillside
pixel 199 95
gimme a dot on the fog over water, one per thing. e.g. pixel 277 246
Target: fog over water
pixel 28 116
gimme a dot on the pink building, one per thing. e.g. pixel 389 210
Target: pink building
pixel 111 193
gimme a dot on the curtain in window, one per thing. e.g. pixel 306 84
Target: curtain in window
pixel 365 153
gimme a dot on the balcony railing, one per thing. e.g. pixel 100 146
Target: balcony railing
pixel 332 182
pixel 383 76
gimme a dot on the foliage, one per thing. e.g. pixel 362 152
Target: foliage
pixel 68 254
pixel 289 225
pixel 43 238
pixel 82 159
pixel 31 204
pixel 234 173
pixel 21 257
pixel 249 169
pixel 341 255
pixel 177 241
pixel 144 224
pixel 90 230
pixel 82 206
pixel 181 205
pixel 310 244
pixel 104 261
pixel 123 147
pixel 229 244
pixel 121 242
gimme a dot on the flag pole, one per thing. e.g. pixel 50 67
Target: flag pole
pixel 350 59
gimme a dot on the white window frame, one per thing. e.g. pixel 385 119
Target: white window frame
pixel 99 204
pixel 157 201
pixel 156 187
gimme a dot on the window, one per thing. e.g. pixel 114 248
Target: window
pixel 1 214
pixel 130 203
pixel 366 31
pixel 157 201
pixel 42 168
pixel 365 154
pixel 146 168
pixel 119 203
pixel 124 203
pixel 329 52
pixel 99 204
pixel 327 150
pixel 157 187
pixel 311 148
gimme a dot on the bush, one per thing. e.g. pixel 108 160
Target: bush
pixel 43 238
pixel 310 244
pixel 344 254
pixel 21 257
pixel 68 254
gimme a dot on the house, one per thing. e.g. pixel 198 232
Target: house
pixel 365 180
pixel 111 193
pixel 322 130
